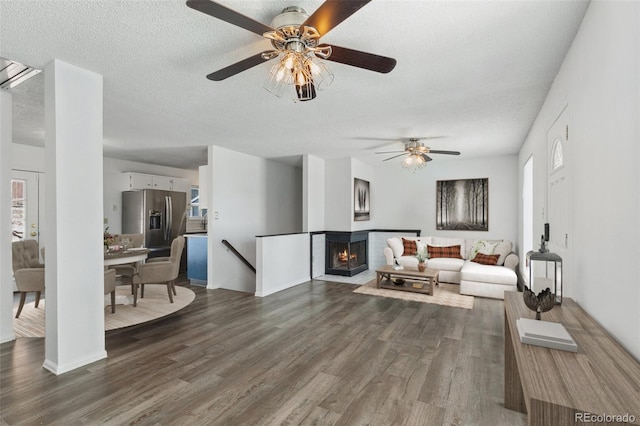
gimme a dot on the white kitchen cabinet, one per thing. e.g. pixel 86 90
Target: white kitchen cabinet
pixel 137 181
pixel 181 185
pixel 162 182
pixel 133 181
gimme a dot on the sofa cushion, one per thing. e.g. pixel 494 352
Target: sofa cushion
pixel 503 249
pixel 481 246
pixel 452 252
pixel 486 259
pixel 445 264
pixel 410 247
pixel 472 271
pixel 448 242
pixel 408 262
pixel 395 243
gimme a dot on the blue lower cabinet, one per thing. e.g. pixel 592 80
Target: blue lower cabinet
pixel 197 258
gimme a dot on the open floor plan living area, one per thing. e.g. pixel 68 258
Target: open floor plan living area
pixel 319 212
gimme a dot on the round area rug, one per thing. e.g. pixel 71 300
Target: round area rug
pixel 154 305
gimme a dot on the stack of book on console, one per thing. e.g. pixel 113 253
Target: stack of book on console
pixel 545 333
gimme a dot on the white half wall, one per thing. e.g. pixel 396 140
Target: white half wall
pixel 6 270
pixel 405 200
pixel 282 262
pixel 252 196
pixel 600 82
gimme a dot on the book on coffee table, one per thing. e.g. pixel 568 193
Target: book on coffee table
pixel 545 333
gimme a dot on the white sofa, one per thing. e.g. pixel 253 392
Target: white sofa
pixel 474 278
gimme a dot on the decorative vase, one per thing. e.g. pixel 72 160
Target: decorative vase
pixel 540 303
pixel 422 266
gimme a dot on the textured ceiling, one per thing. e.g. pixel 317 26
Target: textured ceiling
pixel 474 72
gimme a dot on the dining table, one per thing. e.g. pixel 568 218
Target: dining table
pixel 122 257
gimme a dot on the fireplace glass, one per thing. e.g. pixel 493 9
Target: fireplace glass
pixel 346 257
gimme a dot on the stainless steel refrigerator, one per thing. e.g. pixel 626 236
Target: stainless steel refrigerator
pixel 159 215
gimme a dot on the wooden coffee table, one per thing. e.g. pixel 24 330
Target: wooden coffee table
pixel 414 280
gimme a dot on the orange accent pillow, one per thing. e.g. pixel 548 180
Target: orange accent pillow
pixel 452 252
pixel 410 247
pixel 486 259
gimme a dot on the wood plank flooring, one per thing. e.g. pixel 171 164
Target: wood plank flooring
pixel 315 354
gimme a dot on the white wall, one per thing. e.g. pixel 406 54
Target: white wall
pixel 338 195
pixel 32 158
pixel 600 82
pixel 252 196
pixel 406 200
pixel 113 185
pixel 313 193
pixel 362 171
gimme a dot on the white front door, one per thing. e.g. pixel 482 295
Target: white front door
pixel 25 205
pixel 559 192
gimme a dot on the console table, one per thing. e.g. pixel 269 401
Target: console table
pixel 557 387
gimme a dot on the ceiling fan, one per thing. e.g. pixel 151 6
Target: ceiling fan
pixel 417 153
pixel 295 37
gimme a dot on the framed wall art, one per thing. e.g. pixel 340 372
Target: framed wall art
pixel 462 205
pixel 361 200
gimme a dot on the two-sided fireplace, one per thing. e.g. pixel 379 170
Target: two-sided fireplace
pixel 346 253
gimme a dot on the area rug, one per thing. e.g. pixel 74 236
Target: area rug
pixel 444 294
pixel 154 305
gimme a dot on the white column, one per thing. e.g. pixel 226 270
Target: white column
pixel 74 273
pixel 6 284
pixel 208 188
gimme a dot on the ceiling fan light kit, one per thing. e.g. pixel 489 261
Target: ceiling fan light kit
pixel 416 153
pixel 296 42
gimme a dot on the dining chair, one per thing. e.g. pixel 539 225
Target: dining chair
pixel 27 270
pixel 159 271
pixel 128 270
pixel 110 287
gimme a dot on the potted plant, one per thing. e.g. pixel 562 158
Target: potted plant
pixel 422 255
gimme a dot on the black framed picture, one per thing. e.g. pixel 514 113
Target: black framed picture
pixel 462 205
pixel 361 200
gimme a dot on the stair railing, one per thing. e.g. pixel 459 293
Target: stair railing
pixel 237 253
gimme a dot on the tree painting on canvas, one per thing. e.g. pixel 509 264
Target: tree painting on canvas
pixel 462 205
pixel 361 199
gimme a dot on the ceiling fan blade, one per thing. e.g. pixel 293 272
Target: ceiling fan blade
pixel 426 157
pixel 236 68
pixel 388 152
pixel 359 59
pixel 228 15
pixel 395 156
pixel 331 13
pixel 435 151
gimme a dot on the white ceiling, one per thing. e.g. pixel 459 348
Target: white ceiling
pixel 474 72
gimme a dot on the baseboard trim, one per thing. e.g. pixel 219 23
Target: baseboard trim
pixel 58 369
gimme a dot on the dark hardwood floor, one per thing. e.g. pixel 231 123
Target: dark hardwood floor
pixel 313 354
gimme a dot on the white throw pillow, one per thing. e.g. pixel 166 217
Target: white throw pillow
pixel 503 249
pixel 482 246
pixel 396 246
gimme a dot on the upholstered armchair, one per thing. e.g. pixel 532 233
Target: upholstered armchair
pixel 128 270
pixel 159 271
pixel 27 270
pixel 110 287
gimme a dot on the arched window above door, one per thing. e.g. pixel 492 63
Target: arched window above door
pixel 557 157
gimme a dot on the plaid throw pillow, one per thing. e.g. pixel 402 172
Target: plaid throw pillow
pixel 452 252
pixel 410 247
pixel 486 259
